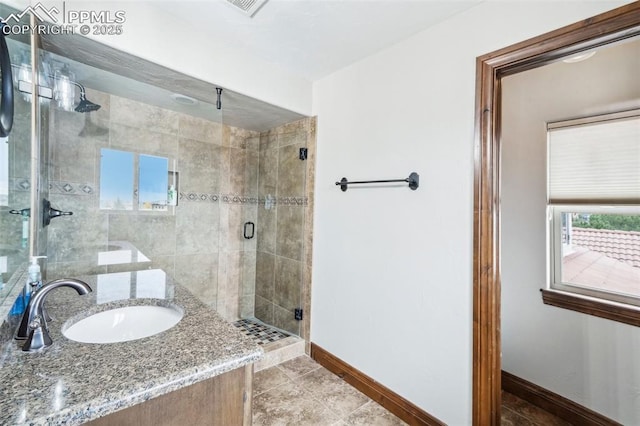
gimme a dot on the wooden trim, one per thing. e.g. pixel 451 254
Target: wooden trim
pixel 553 403
pixel 619 23
pixel 615 312
pixel 384 396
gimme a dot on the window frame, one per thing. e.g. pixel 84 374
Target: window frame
pixel 556 252
pixel 172 179
pixel 613 306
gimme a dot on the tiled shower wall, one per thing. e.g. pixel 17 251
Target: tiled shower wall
pixel 225 173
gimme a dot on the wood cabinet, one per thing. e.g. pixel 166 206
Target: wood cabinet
pixel 224 400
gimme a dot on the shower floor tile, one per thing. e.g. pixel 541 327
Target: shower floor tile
pixel 259 331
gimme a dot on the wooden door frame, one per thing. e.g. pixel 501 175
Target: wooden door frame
pixel 599 30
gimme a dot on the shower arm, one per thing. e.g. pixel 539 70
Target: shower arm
pixel 83 93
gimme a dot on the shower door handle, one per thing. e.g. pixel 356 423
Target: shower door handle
pixel 249 230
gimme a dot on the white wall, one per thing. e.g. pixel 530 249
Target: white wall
pixel 392 282
pixel 589 360
pixel 153 34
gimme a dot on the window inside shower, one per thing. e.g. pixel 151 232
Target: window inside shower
pixel 135 181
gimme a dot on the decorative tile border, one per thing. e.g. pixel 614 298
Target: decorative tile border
pixel 293 201
pixel 238 199
pixel 241 199
pixel 198 197
pixel 71 188
pixel 21 184
pixel 75 188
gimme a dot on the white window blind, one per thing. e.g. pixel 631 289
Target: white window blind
pixel 595 161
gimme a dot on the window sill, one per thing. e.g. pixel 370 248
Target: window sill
pixel 610 310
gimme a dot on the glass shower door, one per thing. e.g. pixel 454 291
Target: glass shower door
pixel 283 209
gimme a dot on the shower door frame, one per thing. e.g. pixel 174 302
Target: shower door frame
pixel 490 68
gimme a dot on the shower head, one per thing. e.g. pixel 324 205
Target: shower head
pixel 85 105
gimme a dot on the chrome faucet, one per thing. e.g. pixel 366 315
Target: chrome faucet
pixel 33 326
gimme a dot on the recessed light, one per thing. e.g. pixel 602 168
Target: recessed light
pixel 183 99
pixel 579 57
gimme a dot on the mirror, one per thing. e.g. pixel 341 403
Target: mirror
pixel 15 165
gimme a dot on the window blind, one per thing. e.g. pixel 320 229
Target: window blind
pixel 595 162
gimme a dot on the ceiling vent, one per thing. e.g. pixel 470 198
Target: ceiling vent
pixel 248 7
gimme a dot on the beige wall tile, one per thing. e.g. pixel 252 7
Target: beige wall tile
pixel 72 157
pixel 266 229
pixel 199 164
pixel 237 171
pixel 199 273
pixel 229 275
pixel 287 283
pixel 247 306
pixel 78 237
pixel 137 114
pixel 248 278
pixel 197 228
pixel 236 227
pixel 268 140
pixel 264 310
pixel 251 173
pixel 228 308
pixel 291 172
pixel 268 172
pixel 265 269
pixel 294 126
pixel 297 137
pixel 284 319
pixel 152 234
pixel 253 142
pixel 290 223
pixel 142 140
pixel 197 128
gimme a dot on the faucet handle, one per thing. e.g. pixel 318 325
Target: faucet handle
pixel 35 323
pixel 38 335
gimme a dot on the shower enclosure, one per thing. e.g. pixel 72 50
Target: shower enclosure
pixel 150 174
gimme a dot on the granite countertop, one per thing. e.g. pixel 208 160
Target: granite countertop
pixel 70 383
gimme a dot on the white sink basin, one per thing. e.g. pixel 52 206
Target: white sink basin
pixel 123 324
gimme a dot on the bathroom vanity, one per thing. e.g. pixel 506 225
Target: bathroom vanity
pixel 197 372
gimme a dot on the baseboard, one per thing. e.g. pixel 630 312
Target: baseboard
pixel 384 396
pixel 553 403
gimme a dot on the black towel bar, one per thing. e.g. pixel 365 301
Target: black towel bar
pixel 413 180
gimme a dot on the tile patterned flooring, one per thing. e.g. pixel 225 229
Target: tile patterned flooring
pixel 518 412
pixel 301 392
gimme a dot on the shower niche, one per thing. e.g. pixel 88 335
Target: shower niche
pixel 113 154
